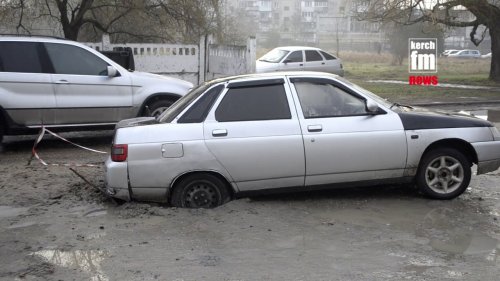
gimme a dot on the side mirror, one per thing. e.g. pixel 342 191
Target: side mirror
pixel 112 72
pixel 372 107
pixel 287 61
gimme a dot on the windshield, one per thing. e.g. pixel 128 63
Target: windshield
pixel 170 113
pixel 275 56
pixel 364 91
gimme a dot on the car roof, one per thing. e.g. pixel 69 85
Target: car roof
pixel 295 48
pixel 38 38
pixel 271 75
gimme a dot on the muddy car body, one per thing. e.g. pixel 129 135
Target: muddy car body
pixel 297 130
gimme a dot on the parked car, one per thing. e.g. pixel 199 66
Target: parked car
pixel 274 132
pixel 448 52
pixel 465 54
pixel 487 56
pixel 63 84
pixel 295 58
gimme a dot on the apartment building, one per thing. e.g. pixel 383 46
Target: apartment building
pixel 306 22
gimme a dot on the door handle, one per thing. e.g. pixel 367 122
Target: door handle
pixel 315 128
pixel 219 133
pixel 323 63
pixel 62 82
pixel 301 64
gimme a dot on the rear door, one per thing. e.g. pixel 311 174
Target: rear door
pixel 83 91
pixel 26 92
pixel 332 64
pixel 254 133
pixel 314 61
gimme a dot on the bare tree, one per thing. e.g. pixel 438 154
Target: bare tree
pixel 146 20
pixel 447 12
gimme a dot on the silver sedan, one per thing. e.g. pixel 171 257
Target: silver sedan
pixel 275 132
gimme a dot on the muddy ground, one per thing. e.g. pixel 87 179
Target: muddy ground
pixel 54 226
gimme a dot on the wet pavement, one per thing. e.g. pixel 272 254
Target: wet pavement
pixel 53 226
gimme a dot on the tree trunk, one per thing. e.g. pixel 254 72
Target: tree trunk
pixel 495 54
pixel 71 33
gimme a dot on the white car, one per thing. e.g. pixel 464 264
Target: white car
pixel 294 58
pixel 487 56
pixel 465 54
pixel 448 52
pixel 63 84
pixel 299 131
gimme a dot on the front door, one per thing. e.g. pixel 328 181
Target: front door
pixel 343 142
pixel 255 135
pixel 84 93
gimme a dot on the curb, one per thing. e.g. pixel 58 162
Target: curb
pixel 456 103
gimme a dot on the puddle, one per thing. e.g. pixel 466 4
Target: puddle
pixel 7 211
pixel 96 213
pixel 441 85
pixel 448 236
pixel 88 261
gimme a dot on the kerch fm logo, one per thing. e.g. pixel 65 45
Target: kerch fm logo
pixel 422 58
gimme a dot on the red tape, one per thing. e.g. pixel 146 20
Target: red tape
pixel 39 139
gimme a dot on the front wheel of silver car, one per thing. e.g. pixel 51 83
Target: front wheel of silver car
pixel 199 191
pixel 443 173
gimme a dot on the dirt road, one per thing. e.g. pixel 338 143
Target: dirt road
pixel 54 226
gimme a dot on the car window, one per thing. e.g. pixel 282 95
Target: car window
pixel 266 102
pixel 312 55
pixel 68 59
pixel 325 100
pixel 295 57
pixel 328 56
pixel 198 111
pixel 20 57
pixel 274 56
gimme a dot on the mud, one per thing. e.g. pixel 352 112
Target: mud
pixel 54 226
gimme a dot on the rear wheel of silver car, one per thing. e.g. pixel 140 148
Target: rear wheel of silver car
pixel 157 107
pixel 444 173
pixel 200 191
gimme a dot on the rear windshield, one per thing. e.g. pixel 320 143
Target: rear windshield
pixel 175 109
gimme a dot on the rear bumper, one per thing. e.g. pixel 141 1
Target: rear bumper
pixel 488 156
pixel 116 180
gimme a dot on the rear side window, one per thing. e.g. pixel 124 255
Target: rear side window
pixel 312 55
pixel 267 102
pixel 68 59
pixel 328 56
pixel 20 57
pixel 199 111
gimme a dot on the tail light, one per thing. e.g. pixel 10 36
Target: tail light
pixel 119 152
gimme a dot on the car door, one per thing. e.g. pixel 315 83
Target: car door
pixel 314 61
pixel 254 133
pixel 342 141
pixel 294 61
pixel 83 91
pixel 26 92
pixel 332 64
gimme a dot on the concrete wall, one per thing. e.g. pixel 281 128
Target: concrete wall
pixel 194 63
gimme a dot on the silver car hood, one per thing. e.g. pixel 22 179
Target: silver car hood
pixel 134 122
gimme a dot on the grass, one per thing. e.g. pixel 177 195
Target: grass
pixel 362 67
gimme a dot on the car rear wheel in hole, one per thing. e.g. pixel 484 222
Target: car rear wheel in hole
pixel 443 173
pixel 157 107
pixel 200 191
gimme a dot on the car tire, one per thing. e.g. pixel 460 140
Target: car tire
pixel 443 173
pixel 157 107
pixel 200 191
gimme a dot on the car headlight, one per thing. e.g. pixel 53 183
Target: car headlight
pixel 495 133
